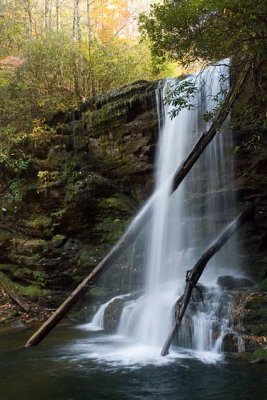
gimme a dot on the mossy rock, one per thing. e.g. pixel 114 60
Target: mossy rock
pixel 58 240
pixel 33 292
pixel 28 246
pixel 41 223
pixel 23 275
pixel 88 186
pixel 263 285
pixel 7 268
pixel 33 262
pixel 110 229
pixel 99 293
pixel 255 315
pixel 116 205
pixel 5 238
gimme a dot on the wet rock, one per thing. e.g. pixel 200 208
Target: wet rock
pixel 113 314
pixel 259 361
pixel 18 324
pixel 230 343
pixel 231 282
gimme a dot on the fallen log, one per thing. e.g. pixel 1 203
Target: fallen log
pixel 195 273
pixel 14 297
pixel 137 226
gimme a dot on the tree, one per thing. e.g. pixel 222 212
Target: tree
pixel 209 30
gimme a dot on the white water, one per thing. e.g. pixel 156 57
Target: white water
pixel 176 239
pixel 183 225
pixel 97 322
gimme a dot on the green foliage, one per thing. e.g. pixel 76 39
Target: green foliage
pixel 209 30
pixel 12 156
pixel 181 96
pixel 44 70
pixel 206 31
pixel 251 146
pixel 16 190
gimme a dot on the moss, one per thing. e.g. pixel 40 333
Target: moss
pixel 58 215
pixel 115 205
pixel 57 240
pixel 242 356
pixel 112 111
pixel 29 246
pixel 24 274
pixel 108 230
pixel 30 291
pixel 33 277
pixel 28 261
pixel 87 259
pixel 40 222
pixel 7 267
pixel 83 257
pixel 263 285
pixel 260 353
pixel 99 292
pixel 85 187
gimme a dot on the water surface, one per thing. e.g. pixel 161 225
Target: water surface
pixel 68 366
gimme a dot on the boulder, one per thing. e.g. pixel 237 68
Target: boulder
pixel 232 282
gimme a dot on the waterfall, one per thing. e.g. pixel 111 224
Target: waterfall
pixel 97 322
pixel 184 223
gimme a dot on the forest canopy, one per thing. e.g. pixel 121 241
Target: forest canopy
pixel 54 53
pixel 209 30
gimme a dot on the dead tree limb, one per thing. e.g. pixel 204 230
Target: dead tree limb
pixel 137 226
pixel 207 137
pixel 15 298
pixel 195 273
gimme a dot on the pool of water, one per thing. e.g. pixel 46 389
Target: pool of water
pixel 73 364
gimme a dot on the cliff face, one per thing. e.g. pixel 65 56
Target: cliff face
pixel 84 182
pixel 88 178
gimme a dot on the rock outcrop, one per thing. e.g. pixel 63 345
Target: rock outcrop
pixel 88 174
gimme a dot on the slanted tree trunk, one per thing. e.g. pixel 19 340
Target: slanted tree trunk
pixel 136 227
pixel 195 273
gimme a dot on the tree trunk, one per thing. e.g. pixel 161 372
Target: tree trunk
pixel 195 273
pixel 58 16
pixel 28 16
pixel 137 225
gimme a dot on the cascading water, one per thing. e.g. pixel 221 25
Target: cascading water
pixel 184 223
pixel 97 322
